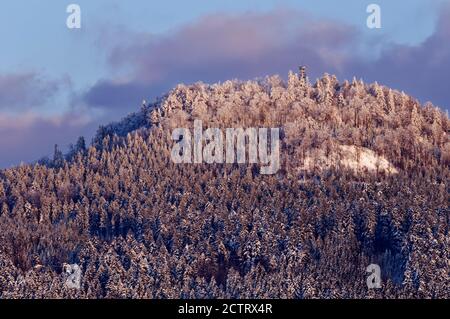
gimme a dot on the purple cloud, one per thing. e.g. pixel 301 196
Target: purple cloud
pixel 27 90
pixel 422 70
pixel 219 47
pixel 28 137
pixel 115 95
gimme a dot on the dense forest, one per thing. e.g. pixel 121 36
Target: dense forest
pixel 140 226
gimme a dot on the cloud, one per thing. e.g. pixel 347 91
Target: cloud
pixel 26 133
pixel 22 91
pixel 114 95
pixel 28 137
pixel 219 47
pixel 223 46
pixel 422 70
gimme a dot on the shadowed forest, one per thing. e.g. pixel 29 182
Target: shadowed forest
pixel 140 226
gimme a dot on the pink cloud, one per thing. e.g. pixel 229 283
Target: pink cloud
pixel 219 47
pixel 27 137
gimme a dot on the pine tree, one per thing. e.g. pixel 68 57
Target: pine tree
pixel 80 146
pixel 58 158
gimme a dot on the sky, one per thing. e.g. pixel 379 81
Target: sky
pixel 58 83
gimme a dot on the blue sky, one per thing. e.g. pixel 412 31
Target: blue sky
pixel 59 83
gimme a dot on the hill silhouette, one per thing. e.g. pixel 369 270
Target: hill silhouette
pixel 363 180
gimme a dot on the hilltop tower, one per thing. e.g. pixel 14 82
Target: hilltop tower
pixel 302 73
pixel 303 80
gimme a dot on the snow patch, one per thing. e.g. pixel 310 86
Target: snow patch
pixel 357 158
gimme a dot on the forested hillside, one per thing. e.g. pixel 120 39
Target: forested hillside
pixel 140 226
